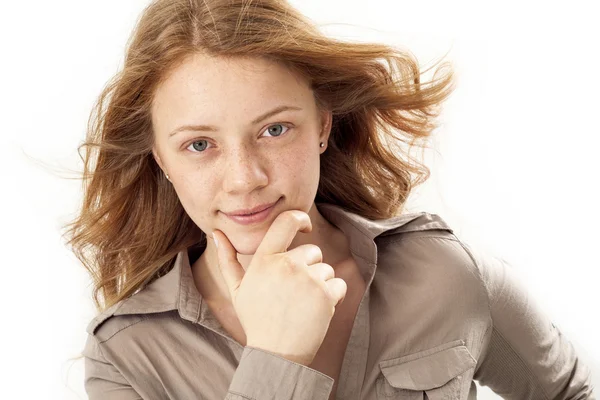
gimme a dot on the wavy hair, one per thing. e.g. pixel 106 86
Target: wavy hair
pixel 131 224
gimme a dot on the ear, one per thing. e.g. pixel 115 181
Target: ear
pixel 157 158
pixel 326 121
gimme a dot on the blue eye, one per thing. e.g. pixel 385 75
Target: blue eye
pixel 275 133
pixel 199 148
pixel 200 145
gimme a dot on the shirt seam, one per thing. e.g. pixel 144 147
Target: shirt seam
pixel 362 258
pixel 242 395
pixel 384 240
pixel 494 328
pixel 454 238
pixel 478 274
pixel 180 277
pixel 478 365
pixel 142 318
pixel 104 315
pixel 524 363
pixel 418 355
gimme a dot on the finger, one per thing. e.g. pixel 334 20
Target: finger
pixel 337 290
pixel 231 269
pixel 283 230
pixel 306 254
pixel 321 271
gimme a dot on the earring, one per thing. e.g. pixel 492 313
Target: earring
pixel 322 144
pixel 167 175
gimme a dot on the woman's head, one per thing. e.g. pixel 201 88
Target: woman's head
pixel 236 133
pixel 224 63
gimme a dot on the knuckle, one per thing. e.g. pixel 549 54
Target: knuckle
pixel 322 291
pixel 295 216
pixel 288 264
pixel 329 269
pixel 336 285
pixel 344 286
pixel 316 249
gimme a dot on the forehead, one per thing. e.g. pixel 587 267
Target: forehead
pixel 216 82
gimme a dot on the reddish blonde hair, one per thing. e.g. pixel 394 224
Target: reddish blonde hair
pixel 131 224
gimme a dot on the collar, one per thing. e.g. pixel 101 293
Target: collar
pixel 176 289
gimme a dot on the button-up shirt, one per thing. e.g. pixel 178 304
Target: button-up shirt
pixel 437 315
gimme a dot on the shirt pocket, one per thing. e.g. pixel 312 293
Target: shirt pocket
pixel 435 374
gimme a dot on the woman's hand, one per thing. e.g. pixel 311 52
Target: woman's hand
pixel 285 300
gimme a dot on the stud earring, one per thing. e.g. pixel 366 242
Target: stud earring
pixel 322 144
pixel 167 175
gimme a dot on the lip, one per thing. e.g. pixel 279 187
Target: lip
pixel 245 211
pixel 254 218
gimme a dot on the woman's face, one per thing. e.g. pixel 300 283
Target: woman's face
pixel 251 150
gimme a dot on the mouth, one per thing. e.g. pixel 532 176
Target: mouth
pixel 259 215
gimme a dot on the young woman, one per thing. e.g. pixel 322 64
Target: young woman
pixel 243 225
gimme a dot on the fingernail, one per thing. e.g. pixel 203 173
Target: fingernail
pixel 215 239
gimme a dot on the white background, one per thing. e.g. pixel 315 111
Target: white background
pixel 514 163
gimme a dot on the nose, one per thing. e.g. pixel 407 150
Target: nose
pixel 243 170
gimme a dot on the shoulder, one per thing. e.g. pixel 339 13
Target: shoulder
pixel 111 321
pixel 139 307
pixel 428 273
pixel 428 249
pixel 155 299
pixel 427 234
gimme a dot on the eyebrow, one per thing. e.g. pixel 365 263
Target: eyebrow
pixel 210 128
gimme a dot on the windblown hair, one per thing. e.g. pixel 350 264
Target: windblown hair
pixel 131 224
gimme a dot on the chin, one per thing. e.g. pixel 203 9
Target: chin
pixel 247 244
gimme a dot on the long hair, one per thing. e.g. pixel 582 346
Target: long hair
pixel 131 224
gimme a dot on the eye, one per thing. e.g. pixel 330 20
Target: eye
pixel 199 146
pixel 276 132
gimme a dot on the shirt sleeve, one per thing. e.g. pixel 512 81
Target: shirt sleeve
pixel 264 375
pixel 102 381
pixel 525 355
pixel 259 375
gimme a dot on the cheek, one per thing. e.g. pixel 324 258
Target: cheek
pixel 195 192
pixel 299 164
pixel 299 173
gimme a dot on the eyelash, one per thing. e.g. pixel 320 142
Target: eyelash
pixel 186 146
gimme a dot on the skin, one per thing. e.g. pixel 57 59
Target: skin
pixel 241 164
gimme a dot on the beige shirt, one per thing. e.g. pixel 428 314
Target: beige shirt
pixel 437 315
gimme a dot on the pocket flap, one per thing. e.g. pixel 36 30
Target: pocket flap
pixel 428 369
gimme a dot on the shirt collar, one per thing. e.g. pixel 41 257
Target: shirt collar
pixel 176 289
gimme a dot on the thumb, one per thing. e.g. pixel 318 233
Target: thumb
pixel 231 269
